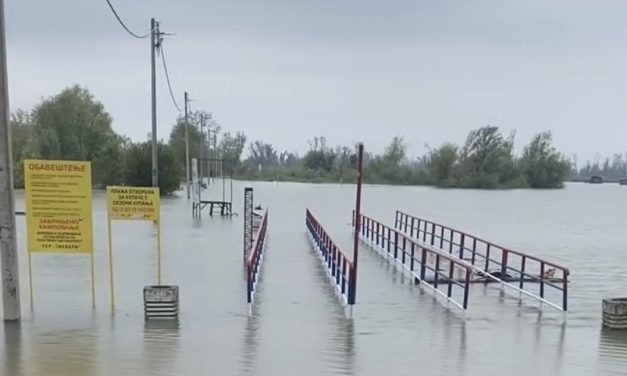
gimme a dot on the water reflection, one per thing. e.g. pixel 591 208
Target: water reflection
pixel 161 345
pixel 12 349
pixel 613 348
pixel 340 351
pixel 341 347
pixel 63 351
pixel 249 349
pixel 543 335
pixel 197 222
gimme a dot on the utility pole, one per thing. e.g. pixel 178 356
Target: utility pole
pixel 186 146
pixel 352 290
pixel 8 238
pixel 202 143
pixel 155 40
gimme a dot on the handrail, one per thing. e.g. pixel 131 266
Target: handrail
pixel 254 258
pixel 479 251
pixel 338 264
pixel 431 267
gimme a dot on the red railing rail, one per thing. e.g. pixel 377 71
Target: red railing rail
pixel 446 275
pixel 340 267
pixel 254 257
pixel 511 266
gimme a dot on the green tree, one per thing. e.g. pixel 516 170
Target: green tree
pixel 487 160
pixel 230 149
pixel 74 126
pixel 392 165
pixel 320 157
pixel 262 154
pixel 440 165
pixel 177 136
pixel 542 165
pixel 137 171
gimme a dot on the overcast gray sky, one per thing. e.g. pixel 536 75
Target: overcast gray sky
pixel 287 70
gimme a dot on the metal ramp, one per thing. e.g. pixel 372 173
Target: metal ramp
pixel 455 264
pixel 529 275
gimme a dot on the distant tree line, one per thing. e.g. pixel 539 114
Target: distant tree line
pixel 610 169
pixel 74 126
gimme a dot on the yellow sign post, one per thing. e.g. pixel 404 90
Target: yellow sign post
pixel 133 203
pixel 59 210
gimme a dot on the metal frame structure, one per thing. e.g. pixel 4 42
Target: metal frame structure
pixel 340 268
pixel 514 270
pixel 248 221
pixel 226 204
pixel 446 275
pixel 254 259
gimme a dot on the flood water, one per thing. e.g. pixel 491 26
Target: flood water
pixel 298 326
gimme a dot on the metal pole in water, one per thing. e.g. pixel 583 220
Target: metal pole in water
pixel 202 145
pixel 8 238
pixel 187 177
pixel 353 292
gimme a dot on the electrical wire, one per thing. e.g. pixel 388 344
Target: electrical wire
pixel 123 25
pixel 167 77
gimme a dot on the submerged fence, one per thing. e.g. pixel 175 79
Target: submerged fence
pixel 254 258
pixel 339 267
pixel 446 275
pixel 533 276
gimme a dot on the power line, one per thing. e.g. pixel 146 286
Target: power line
pixel 167 77
pixel 123 25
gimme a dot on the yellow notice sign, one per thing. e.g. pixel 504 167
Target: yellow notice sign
pixel 139 203
pixel 58 206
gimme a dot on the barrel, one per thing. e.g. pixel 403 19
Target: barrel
pixel 615 313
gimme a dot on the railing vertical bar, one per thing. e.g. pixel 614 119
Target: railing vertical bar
pixel 437 271
pixel 395 244
pixel 423 264
pixel 565 290
pixel 466 288
pixel 542 280
pixel 404 249
pixel 487 258
pixel 451 241
pixel 461 246
pixel 411 261
pixel 523 263
pixel 450 279
pixel 424 232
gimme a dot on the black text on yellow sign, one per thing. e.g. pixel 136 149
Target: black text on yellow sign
pixel 133 203
pixel 58 206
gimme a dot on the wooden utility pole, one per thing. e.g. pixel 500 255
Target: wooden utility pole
pixel 155 38
pixel 187 177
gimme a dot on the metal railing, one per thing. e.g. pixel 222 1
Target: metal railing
pixel 493 262
pixel 446 275
pixel 255 256
pixel 339 267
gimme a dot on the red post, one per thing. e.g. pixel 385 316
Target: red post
pixel 353 284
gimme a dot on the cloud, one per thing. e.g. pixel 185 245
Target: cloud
pixel 286 71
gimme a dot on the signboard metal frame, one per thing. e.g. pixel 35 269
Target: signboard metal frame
pixel 134 204
pixel 59 217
